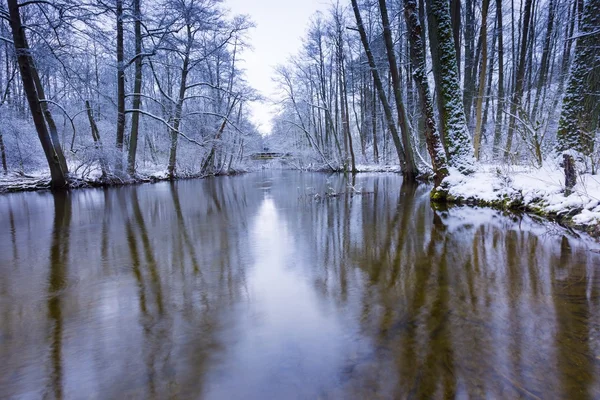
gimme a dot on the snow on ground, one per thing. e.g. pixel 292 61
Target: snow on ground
pixel 378 168
pixel 539 189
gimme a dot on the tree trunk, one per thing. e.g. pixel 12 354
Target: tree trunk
pixel 490 78
pixel 96 138
pixel 49 119
pixel 172 167
pixel 120 87
pixel 456 25
pixel 456 134
pixel 570 173
pixel 3 154
pixel 374 127
pixel 417 58
pixel 483 70
pixel 470 63
pixel 500 111
pixel 517 97
pixel 25 61
pixel 137 88
pixel 344 102
pixel 411 167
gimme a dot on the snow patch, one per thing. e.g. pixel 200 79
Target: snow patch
pixel 535 188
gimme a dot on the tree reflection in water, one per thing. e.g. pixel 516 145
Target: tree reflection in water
pixel 252 287
pixel 462 302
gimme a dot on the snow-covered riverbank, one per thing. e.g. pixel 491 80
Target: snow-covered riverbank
pixel 535 190
pixel 16 182
pixel 540 191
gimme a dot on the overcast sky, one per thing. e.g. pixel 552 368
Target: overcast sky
pixel 280 25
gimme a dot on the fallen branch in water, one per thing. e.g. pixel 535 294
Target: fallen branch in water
pixel 351 192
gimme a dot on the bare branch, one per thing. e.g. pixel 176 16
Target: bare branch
pixel 166 123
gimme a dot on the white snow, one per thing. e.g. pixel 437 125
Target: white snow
pixel 542 188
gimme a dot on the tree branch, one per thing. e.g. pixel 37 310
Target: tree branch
pixel 166 123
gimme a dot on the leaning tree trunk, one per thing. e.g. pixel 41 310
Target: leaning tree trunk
pixel 419 65
pixel 25 61
pixel 452 113
pixel 137 88
pixel 379 85
pixel 49 119
pixel 411 167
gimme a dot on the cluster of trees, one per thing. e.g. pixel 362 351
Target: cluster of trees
pixel 450 82
pixel 113 86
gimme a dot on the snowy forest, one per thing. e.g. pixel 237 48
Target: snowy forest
pixel 300 199
pixel 110 88
pixel 438 84
pixel 114 89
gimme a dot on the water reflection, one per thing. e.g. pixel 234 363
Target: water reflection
pixel 59 259
pixel 250 287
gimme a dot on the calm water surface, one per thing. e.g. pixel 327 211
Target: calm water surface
pixel 250 287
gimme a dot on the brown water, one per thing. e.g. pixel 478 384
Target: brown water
pixel 250 287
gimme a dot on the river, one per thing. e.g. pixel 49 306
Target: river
pixel 260 287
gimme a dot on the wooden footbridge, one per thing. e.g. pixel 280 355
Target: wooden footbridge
pixel 269 156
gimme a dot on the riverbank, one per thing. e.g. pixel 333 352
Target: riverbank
pixel 509 188
pixel 538 191
pixel 17 182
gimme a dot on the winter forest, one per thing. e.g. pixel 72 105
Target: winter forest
pixel 116 88
pixel 300 199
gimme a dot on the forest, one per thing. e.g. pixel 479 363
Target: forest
pixel 113 90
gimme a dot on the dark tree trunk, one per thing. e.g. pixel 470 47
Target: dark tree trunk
pixel 481 89
pixel 120 87
pixel 500 111
pixel 25 61
pixel 137 88
pixel 411 167
pixel 3 154
pixel 517 97
pixel 417 58
pixel 545 63
pixel 49 119
pixel 470 62
pixel 456 25
pixel 374 127
pixel 570 173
